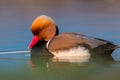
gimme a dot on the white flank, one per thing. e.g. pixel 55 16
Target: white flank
pixel 79 54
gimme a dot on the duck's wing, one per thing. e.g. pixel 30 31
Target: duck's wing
pixel 71 40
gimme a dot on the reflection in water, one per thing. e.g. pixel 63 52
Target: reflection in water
pixel 71 59
pixel 39 54
pixel 37 61
pixel 69 70
pixel 46 66
pixel 47 61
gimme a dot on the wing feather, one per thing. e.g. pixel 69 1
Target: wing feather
pixel 70 40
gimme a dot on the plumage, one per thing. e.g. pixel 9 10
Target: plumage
pixel 69 40
pixel 66 41
pixel 68 44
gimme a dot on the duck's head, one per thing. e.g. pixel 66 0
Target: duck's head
pixel 43 28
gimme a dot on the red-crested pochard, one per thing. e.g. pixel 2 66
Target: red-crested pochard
pixel 67 45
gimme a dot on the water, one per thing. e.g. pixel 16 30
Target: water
pixel 98 18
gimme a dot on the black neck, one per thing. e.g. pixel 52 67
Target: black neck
pixel 57 30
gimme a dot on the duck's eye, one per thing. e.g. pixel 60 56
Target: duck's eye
pixel 35 32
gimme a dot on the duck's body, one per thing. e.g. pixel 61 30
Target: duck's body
pixel 67 44
pixel 75 44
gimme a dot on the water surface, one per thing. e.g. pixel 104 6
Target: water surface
pixel 98 18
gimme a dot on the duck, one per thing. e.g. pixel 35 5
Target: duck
pixel 67 44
